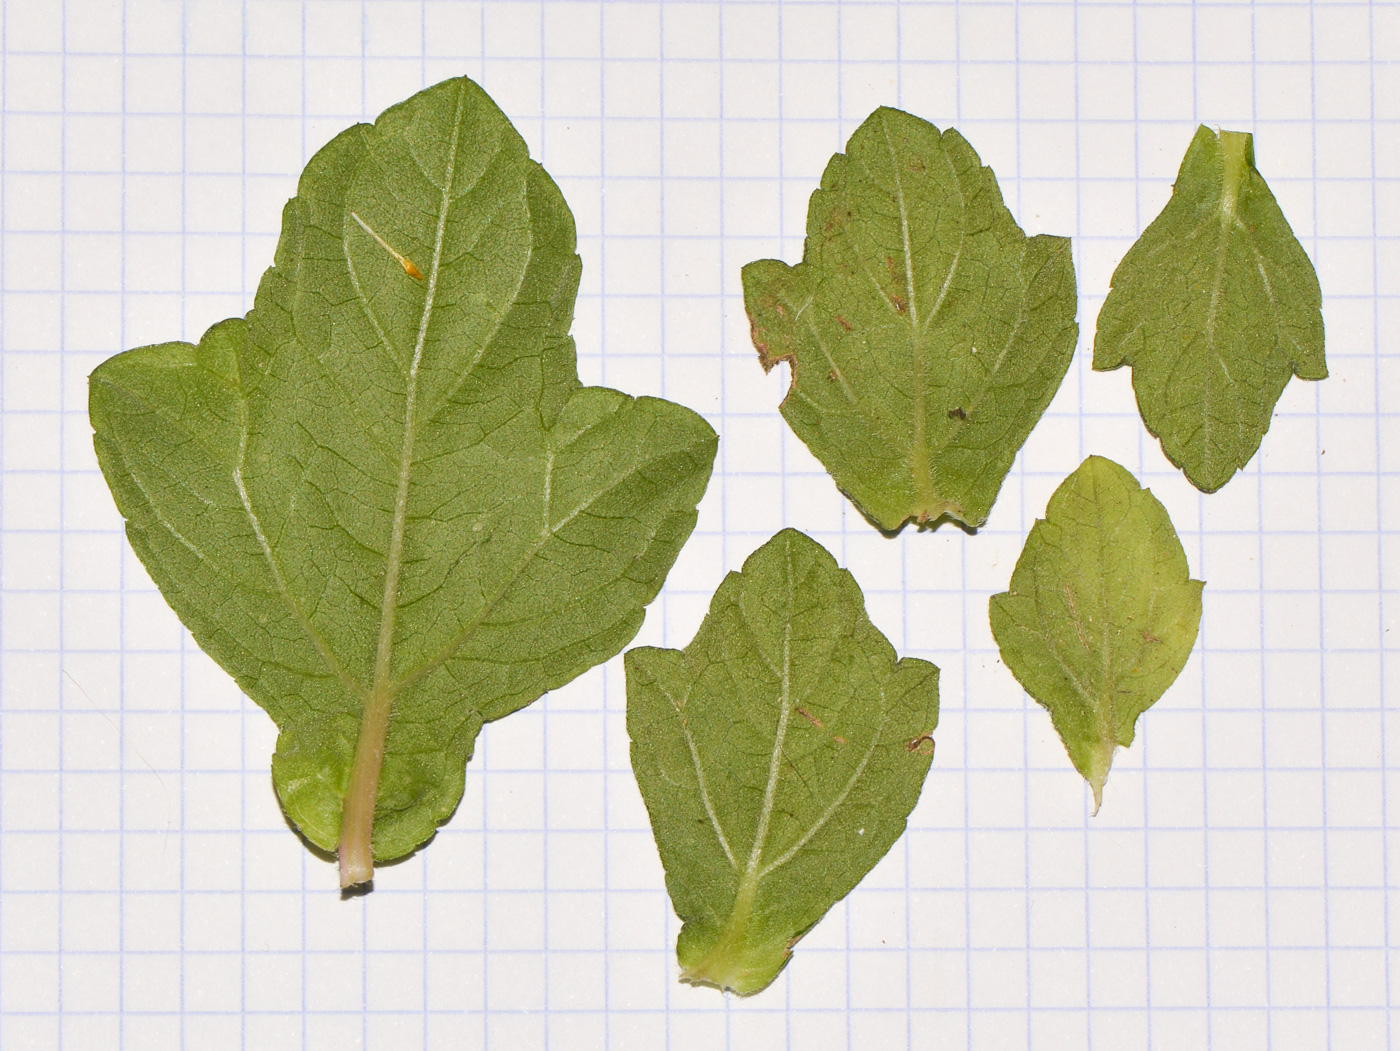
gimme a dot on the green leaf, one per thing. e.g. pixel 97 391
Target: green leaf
pixel 779 755
pixel 1215 308
pixel 926 333
pixel 384 503
pixel 1102 612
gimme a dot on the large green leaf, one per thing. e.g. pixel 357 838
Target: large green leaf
pixel 1102 612
pixel 925 331
pixel 383 502
pixel 779 756
pixel 1215 308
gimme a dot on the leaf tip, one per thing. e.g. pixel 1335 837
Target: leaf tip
pixel 1096 771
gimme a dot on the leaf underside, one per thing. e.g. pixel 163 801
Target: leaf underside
pixel 1101 613
pixel 926 333
pixel 383 502
pixel 1215 308
pixel 779 755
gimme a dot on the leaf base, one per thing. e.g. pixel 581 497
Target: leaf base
pixel 735 966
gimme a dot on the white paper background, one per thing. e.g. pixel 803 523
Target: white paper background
pixel 1233 893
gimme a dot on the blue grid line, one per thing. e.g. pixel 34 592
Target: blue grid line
pixel 1380 545
pixel 63 210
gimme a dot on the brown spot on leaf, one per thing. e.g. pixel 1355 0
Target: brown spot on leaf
pixel 835 221
pixel 844 323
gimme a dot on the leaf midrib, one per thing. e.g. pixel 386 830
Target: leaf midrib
pixel 927 498
pixel 357 816
pixel 770 791
pixel 394 559
pixel 1107 716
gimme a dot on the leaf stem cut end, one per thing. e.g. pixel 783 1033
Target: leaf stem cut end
pixel 355 870
pixel 357 817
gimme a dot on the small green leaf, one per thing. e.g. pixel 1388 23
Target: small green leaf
pixel 779 755
pixel 926 333
pixel 1215 308
pixel 384 503
pixel 1102 612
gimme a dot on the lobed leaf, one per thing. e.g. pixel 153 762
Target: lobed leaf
pixel 383 502
pixel 1101 613
pixel 1215 308
pixel 926 333
pixel 779 755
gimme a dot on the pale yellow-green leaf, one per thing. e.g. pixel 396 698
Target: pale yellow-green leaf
pixel 1101 613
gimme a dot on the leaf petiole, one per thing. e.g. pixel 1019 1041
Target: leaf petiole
pixel 1236 147
pixel 357 823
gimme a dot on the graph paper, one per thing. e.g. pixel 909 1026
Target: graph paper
pixel 1235 891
